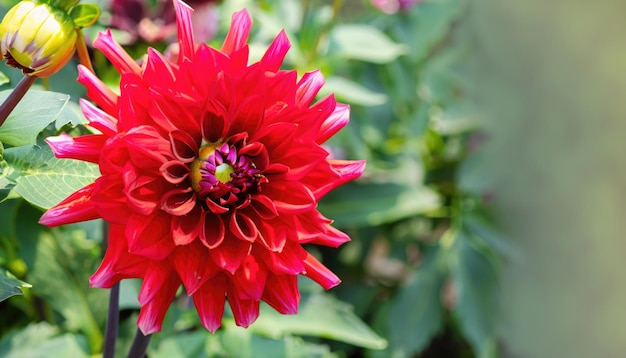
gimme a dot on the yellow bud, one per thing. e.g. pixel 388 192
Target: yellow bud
pixel 37 38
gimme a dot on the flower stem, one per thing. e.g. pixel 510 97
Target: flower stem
pixel 113 318
pixel 140 344
pixel 83 53
pixel 15 97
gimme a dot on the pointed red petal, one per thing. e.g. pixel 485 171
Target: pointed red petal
pixel 192 266
pixel 290 197
pixel 75 208
pixel 157 292
pixel 230 253
pixel 209 301
pixel 281 292
pixel 98 119
pixel 331 125
pixel 320 273
pixel 118 57
pixel 185 31
pixel 308 87
pixel 275 54
pixel 245 311
pixel 86 148
pixel 98 91
pixel 238 33
pixel 250 278
pixel 117 263
pixel 150 236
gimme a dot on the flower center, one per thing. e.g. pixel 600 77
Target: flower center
pixel 222 175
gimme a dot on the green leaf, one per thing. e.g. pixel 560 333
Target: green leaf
pixel 474 272
pixel 41 340
pixel 352 92
pixel 85 15
pixel 42 179
pixel 384 203
pixel 183 345
pixel 32 115
pixel 59 263
pixel 9 285
pixel 365 43
pixel 4 79
pixel 239 342
pixel 320 315
pixel 416 313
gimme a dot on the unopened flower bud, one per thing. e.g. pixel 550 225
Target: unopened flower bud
pixel 37 38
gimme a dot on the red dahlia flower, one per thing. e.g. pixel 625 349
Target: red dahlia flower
pixel 211 174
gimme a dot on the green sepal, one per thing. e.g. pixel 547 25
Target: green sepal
pixel 63 4
pixel 84 15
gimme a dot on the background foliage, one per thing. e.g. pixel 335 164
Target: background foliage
pixel 421 277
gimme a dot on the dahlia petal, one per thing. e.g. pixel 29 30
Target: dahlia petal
pixel 157 70
pixel 192 266
pixel 178 202
pixel 146 148
pixel 337 120
pixel 174 171
pixel 275 54
pixel 98 91
pixel 290 197
pixel 238 33
pixel 319 273
pixel 186 228
pixel 119 58
pixel 86 148
pixel 184 147
pixel 246 311
pixel 149 236
pixel 212 230
pixel 209 301
pixel 308 87
pixel 273 142
pixel 185 30
pixel 109 199
pixel 98 119
pixel 289 261
pixel 133 113
pixel 264 206
pixel 332 238
pixel 242 226
pixel 142 191
pixel 273 238
pixel 215 207
pixel 299 168
pixel 281 292
pixel 250 278
pixel 310 225
pixel 117 263
pixel 345 171
pixel 154 306
pixel 213 126
pixel 230 253
pixel 75 208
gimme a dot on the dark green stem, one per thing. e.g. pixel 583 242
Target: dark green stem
pixel 113 319
pixel 140 344
pixel 15 97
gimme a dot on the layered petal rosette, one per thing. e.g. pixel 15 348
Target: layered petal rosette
pixel 212 169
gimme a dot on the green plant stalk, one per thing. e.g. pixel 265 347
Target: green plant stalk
pixel 139 346
pixel 113 318
pixel 337 4
pixel 15 97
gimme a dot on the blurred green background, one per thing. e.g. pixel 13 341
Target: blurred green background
pixel 550 78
